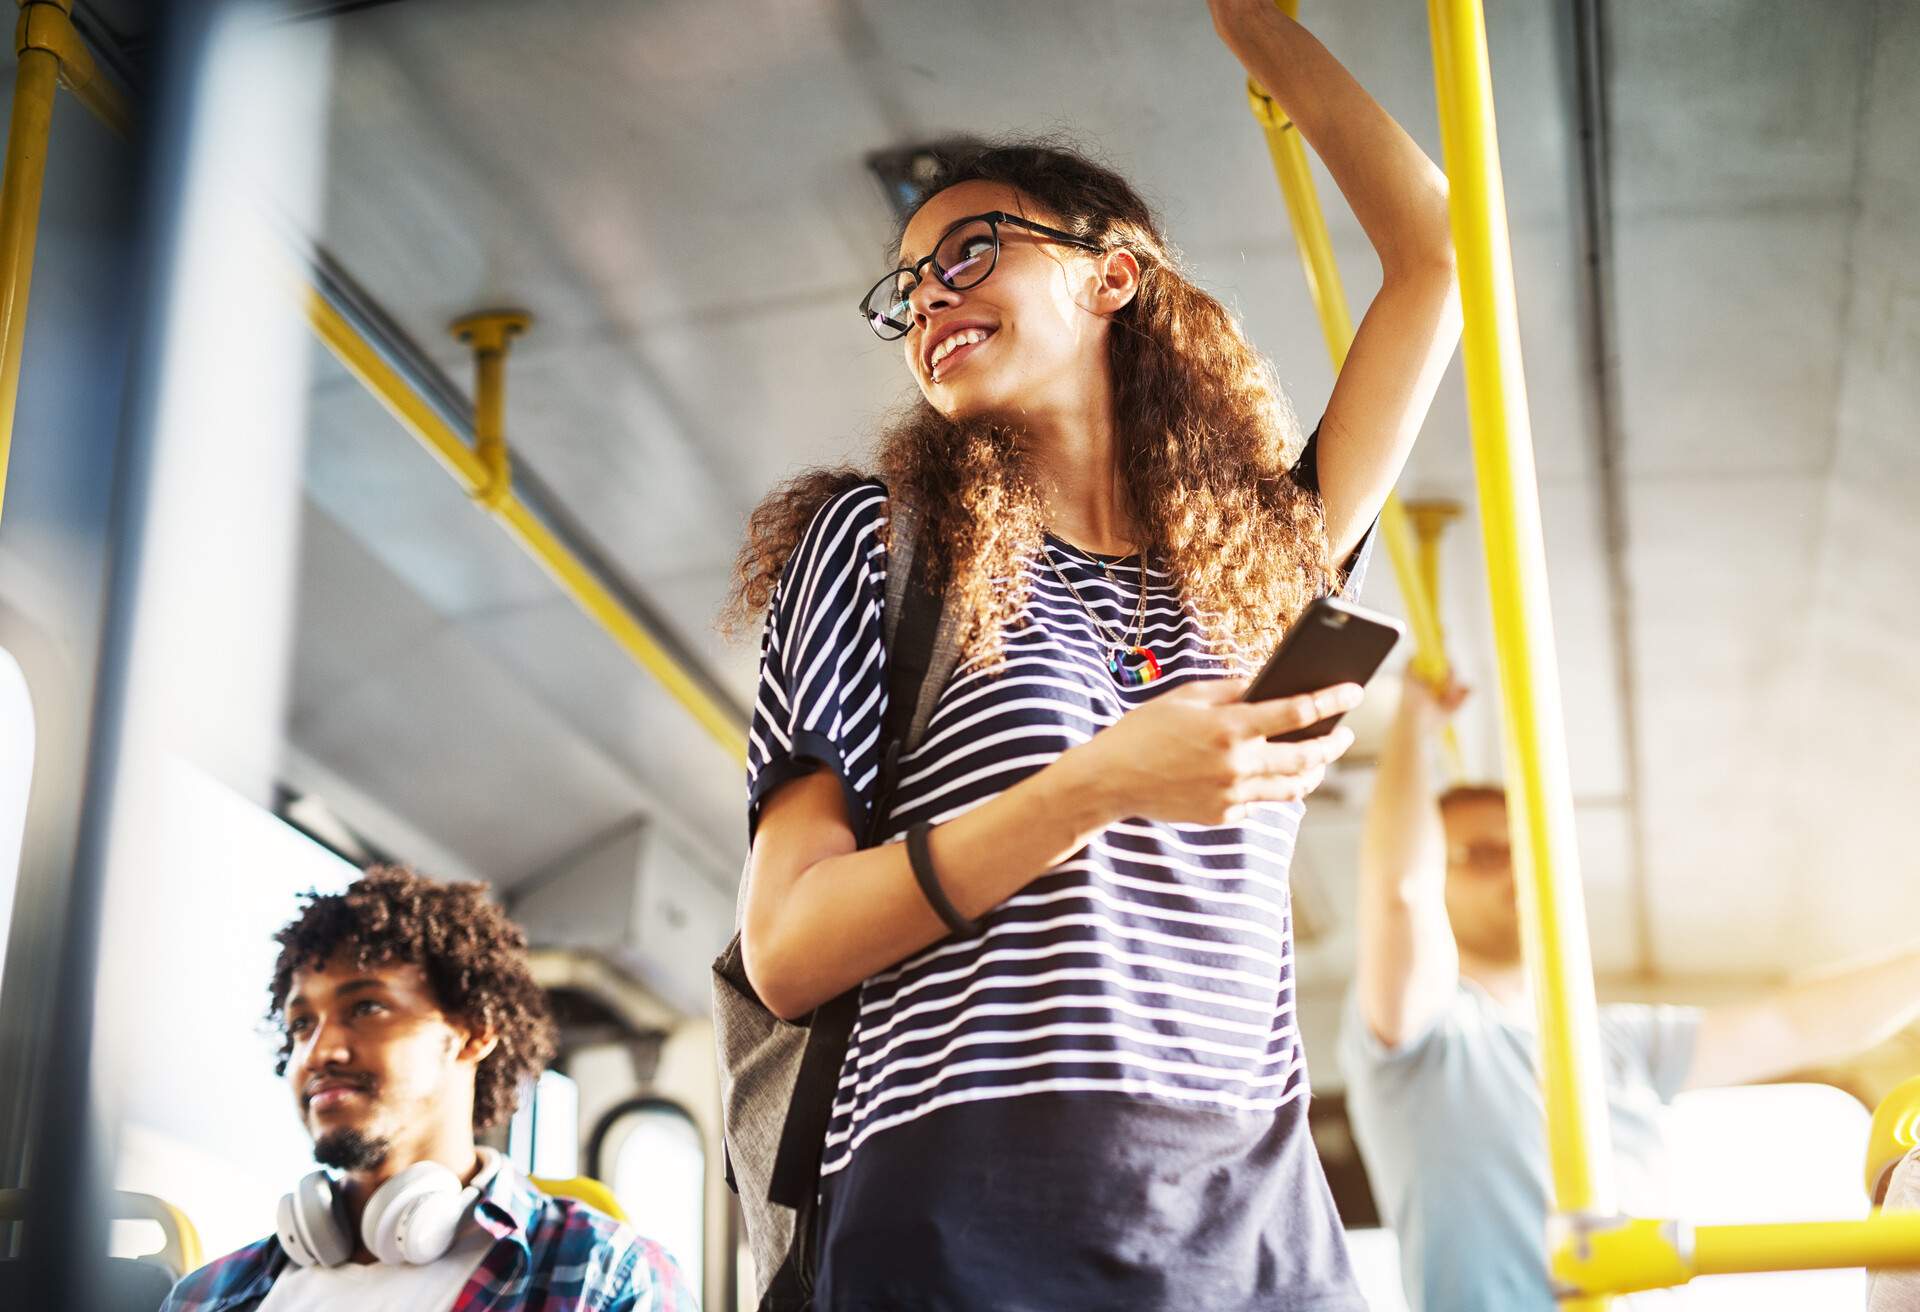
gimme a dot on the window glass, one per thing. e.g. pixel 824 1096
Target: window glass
pixel 212 1129
pixel 1783 1152
pixel 16 774
pixel 543 1138
pixel 659 1173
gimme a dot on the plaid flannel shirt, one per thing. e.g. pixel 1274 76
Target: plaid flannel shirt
pixel 548 1254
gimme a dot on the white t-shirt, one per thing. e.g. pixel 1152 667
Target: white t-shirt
pixel 380 1287
pixel 1898 1291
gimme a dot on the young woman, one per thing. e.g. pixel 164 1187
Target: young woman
pixel 1094 1095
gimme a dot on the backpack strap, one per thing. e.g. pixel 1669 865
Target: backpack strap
pixel 921 653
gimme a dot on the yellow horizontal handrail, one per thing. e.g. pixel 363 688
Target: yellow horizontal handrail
pixel 1625 1255
pixel 471 472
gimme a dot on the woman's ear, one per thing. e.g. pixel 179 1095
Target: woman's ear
pixel 1119 280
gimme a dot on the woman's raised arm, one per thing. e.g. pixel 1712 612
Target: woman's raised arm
pixel 1408 334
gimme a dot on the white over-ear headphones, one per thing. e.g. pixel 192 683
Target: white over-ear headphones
pixel 410 1219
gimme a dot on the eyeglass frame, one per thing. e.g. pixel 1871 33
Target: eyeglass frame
pixel 993 218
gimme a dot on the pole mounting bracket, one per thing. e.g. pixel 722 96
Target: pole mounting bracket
pixel 490 333
pixel 48 25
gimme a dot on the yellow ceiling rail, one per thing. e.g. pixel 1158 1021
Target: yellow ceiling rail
pixel 1329 296
pixel 477 478
pixel 20 190
pixel 50 51
pixel 1546 859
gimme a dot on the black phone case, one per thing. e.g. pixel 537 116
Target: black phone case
pixel 1332 642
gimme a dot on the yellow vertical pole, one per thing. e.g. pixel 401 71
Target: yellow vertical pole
pixel 1336 326
pixel 1329 295
pixel 20 188
pixel 1541 808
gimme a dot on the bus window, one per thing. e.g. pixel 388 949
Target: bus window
pixel 543 1138
pixel 16 774
pixel 649 1153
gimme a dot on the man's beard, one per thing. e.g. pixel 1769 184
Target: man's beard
pixel 350 1150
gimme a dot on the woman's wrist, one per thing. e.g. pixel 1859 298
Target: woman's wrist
pixel 1081 787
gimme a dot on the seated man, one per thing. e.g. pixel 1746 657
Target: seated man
pixel 1439 1042
pixel 410 1020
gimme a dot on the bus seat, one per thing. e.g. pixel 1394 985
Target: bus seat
pixel 127 1284
pixel 181 1252
pixel 585 1189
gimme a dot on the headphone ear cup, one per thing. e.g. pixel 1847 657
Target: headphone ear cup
pixel 413 1217
pixel 309 1223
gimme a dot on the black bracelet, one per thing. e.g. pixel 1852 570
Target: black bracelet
pixel 921 859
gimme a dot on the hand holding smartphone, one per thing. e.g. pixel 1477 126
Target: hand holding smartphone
pixel 1332 642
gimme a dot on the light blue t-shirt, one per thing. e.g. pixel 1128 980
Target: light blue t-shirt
pixel 1451 1129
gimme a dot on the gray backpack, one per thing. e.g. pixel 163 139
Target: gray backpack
pixel 777 1078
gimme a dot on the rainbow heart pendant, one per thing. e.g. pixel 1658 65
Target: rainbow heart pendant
pixel 1133 667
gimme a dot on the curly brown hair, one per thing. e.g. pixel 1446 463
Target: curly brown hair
pixel 1207 440
pixel 474 958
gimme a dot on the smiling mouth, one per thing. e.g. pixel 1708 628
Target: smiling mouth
pixel 951 350
pixel 333 1096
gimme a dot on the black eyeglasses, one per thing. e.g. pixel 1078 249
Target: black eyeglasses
pixel 962 258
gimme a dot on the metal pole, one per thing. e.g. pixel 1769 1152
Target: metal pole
pixel 1541 796
pixel 20 189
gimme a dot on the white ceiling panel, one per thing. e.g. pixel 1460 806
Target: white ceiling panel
pixel 1606 872
pixel 356 617
pixel 1735 106
pixel 372 477
pixel 447 733
pixel 1717 903
pixel 1730 338
pixel 788 386
pixel 593 693
pixel 691 599
pixel 1717 568
pixel 622 453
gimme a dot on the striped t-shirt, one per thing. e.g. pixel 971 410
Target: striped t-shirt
pixel 1099 1099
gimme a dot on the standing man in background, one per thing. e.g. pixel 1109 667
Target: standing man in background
pixel 1439 1043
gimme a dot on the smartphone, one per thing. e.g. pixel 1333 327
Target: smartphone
pixel 1332 642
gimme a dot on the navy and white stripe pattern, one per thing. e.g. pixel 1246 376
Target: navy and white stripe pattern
pixel 1157 962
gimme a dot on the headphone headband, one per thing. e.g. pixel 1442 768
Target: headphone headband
pixel 411 1219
